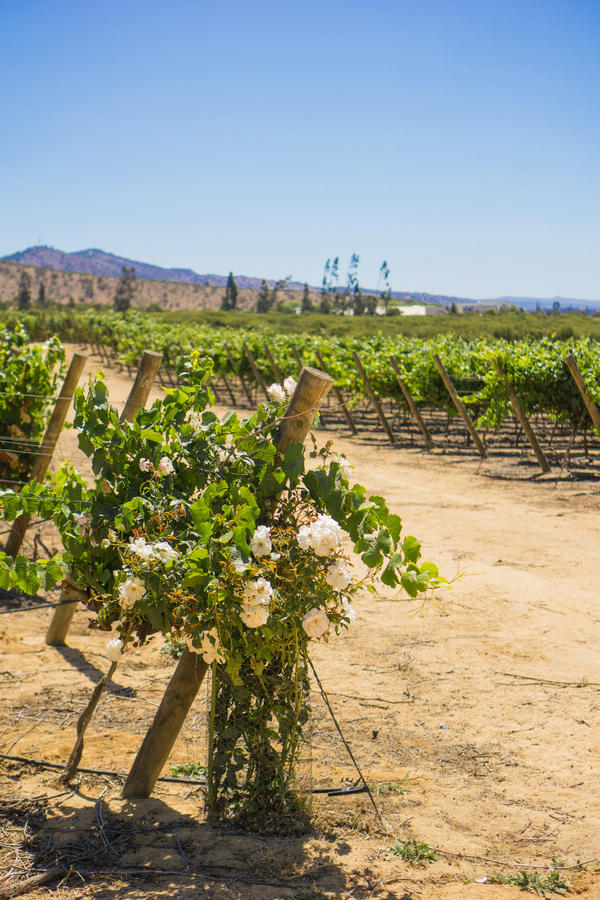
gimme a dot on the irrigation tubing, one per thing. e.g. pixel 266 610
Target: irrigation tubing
pixel 172 779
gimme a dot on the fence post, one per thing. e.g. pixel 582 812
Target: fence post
pixel 373 398
pixel 235 372
pixel 459 406
pixel 411 404
pixel 591 407
pixel 274 367
pixel 51 435
pixel 61 620
pixel 185 682
pixel 339 397
pixel 524 421
pixel 255 369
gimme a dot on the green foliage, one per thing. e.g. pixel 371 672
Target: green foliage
pixel 29 377
pixel 412 851
pixel 125 292
pixel 534 882
pixel 230 297
pixel 197 528
pixel 188 770
pixel 24 292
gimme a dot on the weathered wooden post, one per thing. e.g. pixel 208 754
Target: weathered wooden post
pixel 339 397
pixel 63 614
pixel 238 374
pixel 255 369
pixel 462 411
pixel 523 420
pixel 47 447
pixel 311 390
pixel 373 398
pixel 591 407
pixel 274 367
pixel 411 404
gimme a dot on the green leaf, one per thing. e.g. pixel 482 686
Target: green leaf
pixel 293 462
pixel 411 548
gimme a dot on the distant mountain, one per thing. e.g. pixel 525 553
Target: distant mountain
pixel 98 262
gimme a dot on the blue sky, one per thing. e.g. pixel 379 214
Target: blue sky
pixel 459 140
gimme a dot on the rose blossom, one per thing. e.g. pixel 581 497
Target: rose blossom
pixel 323 536
pixel 315 623
pixel 145 465
pixel 165 466
pixel 261 541
pixel 258 592
pixel 131 591
pixel 276 393
pixel 289 385
pixel 114 648
pixel 338 575
pixel 142 549
pixel 164 551
pixel 254 616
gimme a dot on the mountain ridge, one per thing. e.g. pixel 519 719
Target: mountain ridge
pixel 94 261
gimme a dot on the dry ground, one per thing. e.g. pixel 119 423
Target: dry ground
pixel 475 717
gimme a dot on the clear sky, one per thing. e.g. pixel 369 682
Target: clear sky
pixel 458 139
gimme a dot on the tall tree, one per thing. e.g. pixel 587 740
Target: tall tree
pixel 24 292
pixel 352 294
pixel 306 304
pixel 125 292
pixel 265 298
pixel 384 283
pixel 41 297
pixel 229 299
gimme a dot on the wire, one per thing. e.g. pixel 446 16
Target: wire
pixel 172 779
pixel 345 742
pixel 5 612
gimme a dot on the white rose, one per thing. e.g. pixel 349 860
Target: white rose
pixel 145 465
pixel 338 575
pixel 261 541
pixel 164 551
pixel 131 591
pixel 276 393
pixel 289 385
pixel 258 592
pixel 140 547
pixel 315 623
pixel 114 648
pixel 254 616
pixel 348 610
pixel 165 466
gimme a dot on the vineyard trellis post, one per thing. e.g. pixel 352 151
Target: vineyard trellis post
pixel 255 369
pixel 339 396
pixel 373 398
pixel 274 367
pixel 311 390
pixel 239 375
pixel 410 400
pixel 461 408
pixel 300 365
pixel 523 420
pixel 71 595
pixel 47 446
pixel 591 407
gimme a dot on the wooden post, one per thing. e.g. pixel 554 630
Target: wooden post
pixel 238 375
pixel 274 367
pixel 61 620
pixel 373 398
pixel 459 406
pixel 339 397
pixel 591 407
pixel 411 404
pixel 185 682
pixel 255 369
pixel 524 421
pixel 51 435
pixel 142 385
pixel 228 388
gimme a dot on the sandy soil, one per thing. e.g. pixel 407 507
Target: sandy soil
pixel 474 717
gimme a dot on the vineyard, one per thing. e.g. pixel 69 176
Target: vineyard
pixel 394 384
pixel 252 557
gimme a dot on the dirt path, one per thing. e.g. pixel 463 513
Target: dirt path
pixel 475 716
